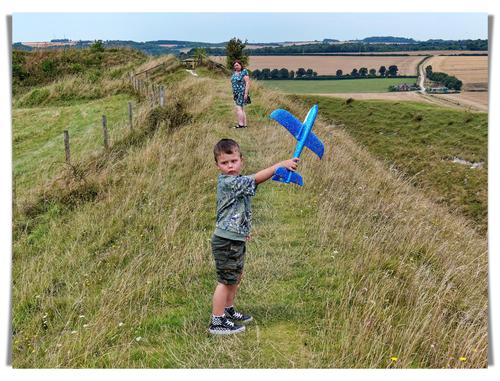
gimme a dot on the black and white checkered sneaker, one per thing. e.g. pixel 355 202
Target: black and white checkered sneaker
pixel 236 316
pixel 222 326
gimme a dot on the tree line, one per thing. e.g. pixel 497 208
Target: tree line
pixel 450 81
pixel 359 47
pixel 302 73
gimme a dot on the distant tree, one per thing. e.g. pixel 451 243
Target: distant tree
pixel 97 46
pixel 309 72
pixel 373 72
pixel 382 71
pixel 234 51
pixel 49 67
pixel 457 84
pixel 393 70
pixel 283 73
pixel 291 75
pixel 200 55
pixel 266 73
pixel 363 72
pixel 354 73
pixel 315 74
pixel 257 74
pixel 301 72
pixel 275 74
pixel 339 73
pixel 428 70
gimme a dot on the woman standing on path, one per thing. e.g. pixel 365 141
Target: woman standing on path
pixel 240 82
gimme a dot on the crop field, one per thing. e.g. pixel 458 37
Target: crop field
pixel 374 85
pixel 419 52
pixel 328 65
pixel 472 71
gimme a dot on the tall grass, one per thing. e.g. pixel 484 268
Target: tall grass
pixel 422 141
pixel 355 268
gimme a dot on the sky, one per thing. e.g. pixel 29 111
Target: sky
pixel 255 27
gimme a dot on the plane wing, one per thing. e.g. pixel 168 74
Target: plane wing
pixel 294 126
pixel 287 120
pixel 315 145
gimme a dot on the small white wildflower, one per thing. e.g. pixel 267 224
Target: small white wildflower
pixel 335 252
pixel 85 325
pixel 73 332
pixel 120 324
pixel 138 338
pixel 81 316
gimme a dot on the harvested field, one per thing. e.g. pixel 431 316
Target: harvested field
pixel 420 52
pixel 328 65
pixel 409 96
pixel 475 100
pixel 471 70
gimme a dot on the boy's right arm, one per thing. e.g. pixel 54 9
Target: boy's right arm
pixel 267 173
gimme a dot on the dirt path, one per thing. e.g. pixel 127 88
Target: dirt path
pixel 421 75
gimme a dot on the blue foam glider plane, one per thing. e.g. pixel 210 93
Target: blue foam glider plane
pixel 305 137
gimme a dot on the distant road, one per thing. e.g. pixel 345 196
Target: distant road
pixel 421 75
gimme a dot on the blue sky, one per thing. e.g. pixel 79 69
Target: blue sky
pixel 256 27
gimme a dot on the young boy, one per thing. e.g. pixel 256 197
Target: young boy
pixel 232 230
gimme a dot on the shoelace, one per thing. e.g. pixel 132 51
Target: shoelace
pixel 238 315
pixel 228 322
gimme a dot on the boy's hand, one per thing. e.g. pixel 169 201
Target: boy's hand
pixel 290 164
pixel 267 173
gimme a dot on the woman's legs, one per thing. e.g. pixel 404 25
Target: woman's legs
pixel 241 116
pixel 244 117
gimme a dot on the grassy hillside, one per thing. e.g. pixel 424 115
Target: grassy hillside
pixel 421 141
pixel 45 66
pixel 356 269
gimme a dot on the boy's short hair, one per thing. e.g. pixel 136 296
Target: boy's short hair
pixel 228 146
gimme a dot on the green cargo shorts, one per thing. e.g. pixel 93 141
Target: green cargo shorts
pixel 229 256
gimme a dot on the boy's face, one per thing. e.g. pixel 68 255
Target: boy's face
pixel 230 163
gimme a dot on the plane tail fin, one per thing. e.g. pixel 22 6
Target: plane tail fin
pixel 286 176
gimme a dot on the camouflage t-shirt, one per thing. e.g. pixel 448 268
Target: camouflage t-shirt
pixel 234 210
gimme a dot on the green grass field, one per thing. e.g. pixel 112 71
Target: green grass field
pixel 376 85
pixel 421 140
pixel 357 269
pixel 38 136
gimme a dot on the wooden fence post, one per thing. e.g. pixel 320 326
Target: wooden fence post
pixel 105 132
pixel 66 146
pixel 162 96
pixel 130 115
